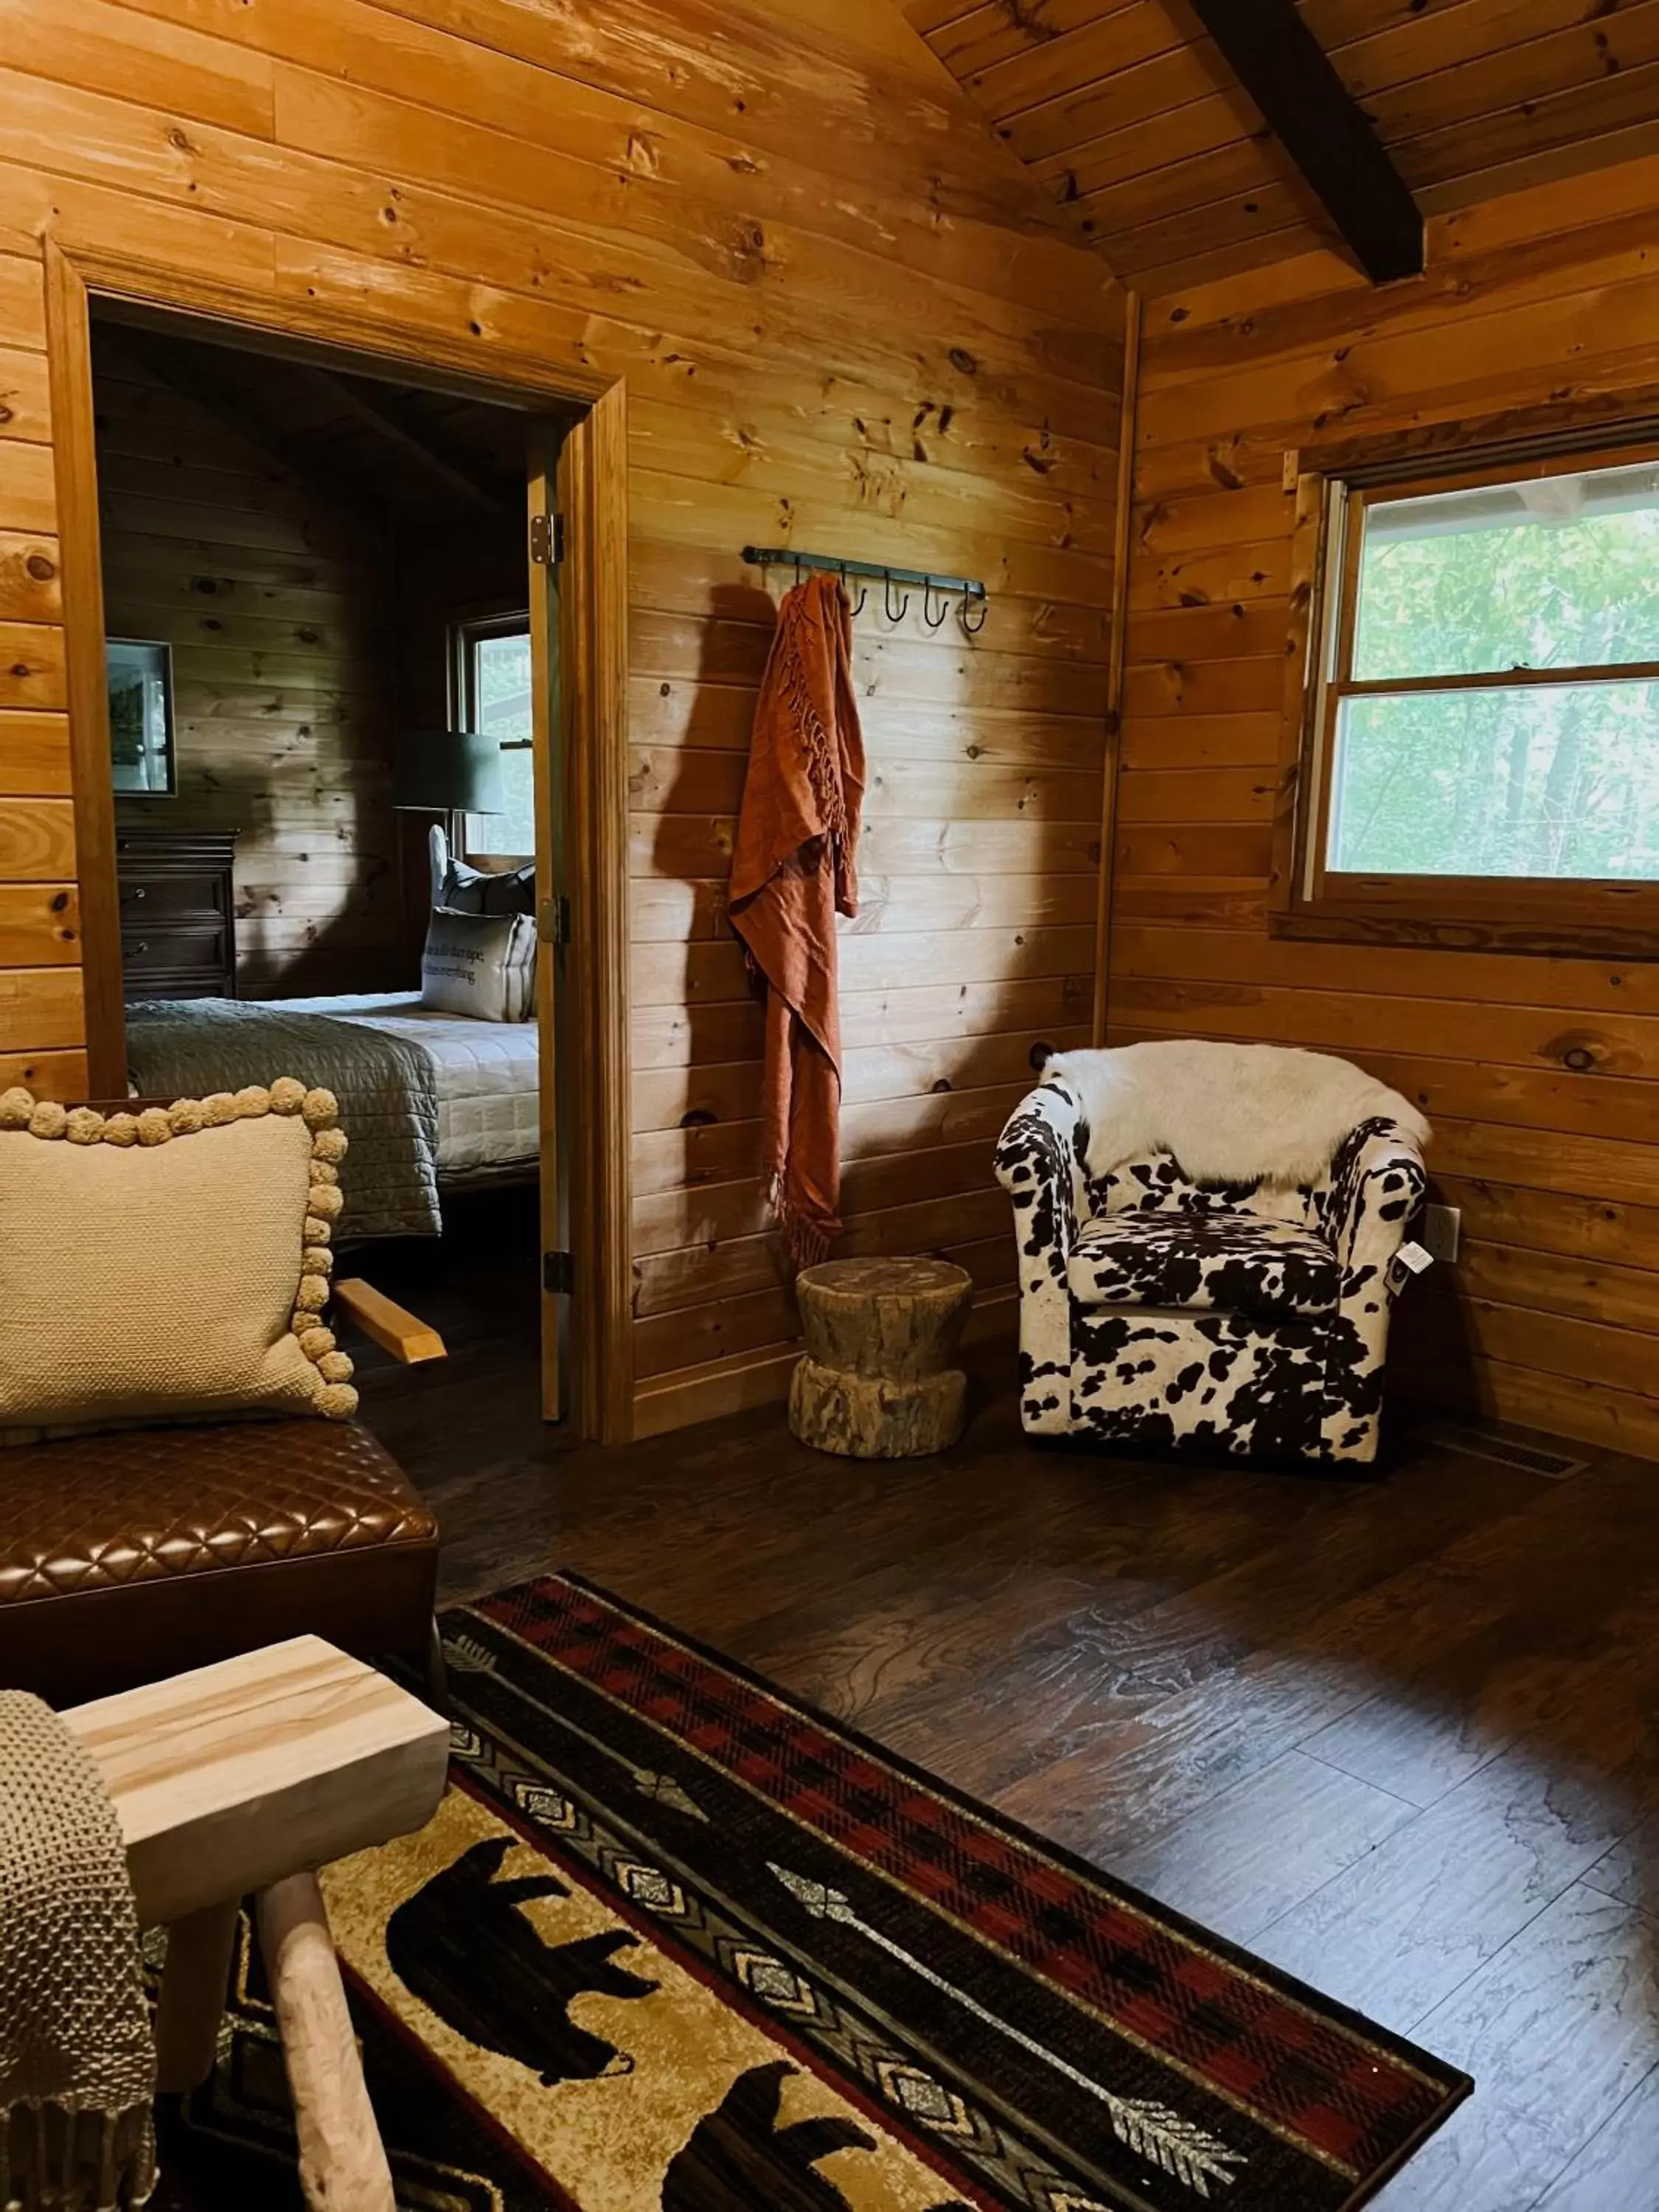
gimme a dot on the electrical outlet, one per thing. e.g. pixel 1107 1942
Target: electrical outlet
pixel 1441 1232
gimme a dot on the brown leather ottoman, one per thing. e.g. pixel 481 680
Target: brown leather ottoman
pixel 130 1557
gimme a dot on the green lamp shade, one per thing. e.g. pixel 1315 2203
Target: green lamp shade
pixel 452 771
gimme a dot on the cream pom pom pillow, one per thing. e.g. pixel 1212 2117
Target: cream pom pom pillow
pixel 170 1264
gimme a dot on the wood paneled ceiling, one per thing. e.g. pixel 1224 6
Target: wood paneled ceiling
pixel 399 455
pixel 1127 112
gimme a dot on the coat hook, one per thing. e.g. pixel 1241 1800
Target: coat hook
pixel 933 620
pixel 858 608
pixel 798 571
pixel 903 607
pixel 973 629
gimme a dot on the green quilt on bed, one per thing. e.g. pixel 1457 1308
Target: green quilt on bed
pixel 386 1086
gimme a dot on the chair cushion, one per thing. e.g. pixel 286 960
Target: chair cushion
pixel 1153 1182
pixel 127 1557
pixel 1229 1262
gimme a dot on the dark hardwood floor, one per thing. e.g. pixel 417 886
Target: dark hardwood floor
pixel 1399 1737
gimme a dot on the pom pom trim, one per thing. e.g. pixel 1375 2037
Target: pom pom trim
pixel 23 1115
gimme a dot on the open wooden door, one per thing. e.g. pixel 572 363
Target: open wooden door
pixel 552 905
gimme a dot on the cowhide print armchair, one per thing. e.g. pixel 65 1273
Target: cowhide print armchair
pixel 1160 1311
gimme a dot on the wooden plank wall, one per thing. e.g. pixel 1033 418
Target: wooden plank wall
pixel 847 319
pixel 42 1019
pixel 1551 1319
pixel 276 595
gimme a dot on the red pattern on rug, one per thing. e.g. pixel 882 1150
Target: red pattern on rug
pixel 1300 2065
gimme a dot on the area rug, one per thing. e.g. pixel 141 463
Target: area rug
pixel 676 1943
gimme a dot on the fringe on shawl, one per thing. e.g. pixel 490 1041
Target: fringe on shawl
pixel 50 2154
pixel 822 769
pixel 805 1242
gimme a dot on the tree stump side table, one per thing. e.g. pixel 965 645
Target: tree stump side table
pixel 876 1381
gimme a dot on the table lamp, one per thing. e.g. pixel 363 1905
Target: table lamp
pixel 453 773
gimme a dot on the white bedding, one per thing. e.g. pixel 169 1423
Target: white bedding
pixel 486 1074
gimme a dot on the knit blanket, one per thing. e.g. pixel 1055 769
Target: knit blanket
pixel 78 2061
pixel 386 1085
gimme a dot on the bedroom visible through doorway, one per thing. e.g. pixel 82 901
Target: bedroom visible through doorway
pixel 331 613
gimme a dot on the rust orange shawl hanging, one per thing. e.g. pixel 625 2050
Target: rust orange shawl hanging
pixel 792 871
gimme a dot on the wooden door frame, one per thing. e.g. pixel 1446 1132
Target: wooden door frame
pixel 593 640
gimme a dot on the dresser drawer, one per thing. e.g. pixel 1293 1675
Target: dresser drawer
pixel 178 913
pixel 146 954
pixel 166 896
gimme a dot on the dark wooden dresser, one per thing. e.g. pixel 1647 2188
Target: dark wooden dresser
pixel 178 913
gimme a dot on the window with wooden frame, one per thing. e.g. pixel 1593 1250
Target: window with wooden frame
pixel 1475 725
pixel 491 674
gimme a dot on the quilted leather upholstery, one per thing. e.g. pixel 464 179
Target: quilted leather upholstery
pixel 96 1512
pixel 125 1557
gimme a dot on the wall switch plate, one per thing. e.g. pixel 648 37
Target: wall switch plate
pixel 1441 1231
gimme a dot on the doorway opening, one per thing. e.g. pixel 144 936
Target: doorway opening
pixel 337 773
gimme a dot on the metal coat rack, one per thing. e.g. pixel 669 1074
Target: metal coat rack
pixel 967 591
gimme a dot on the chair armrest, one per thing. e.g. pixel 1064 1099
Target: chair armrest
pixel 1036 1165
pixel 392 1327
pixel 1378 1185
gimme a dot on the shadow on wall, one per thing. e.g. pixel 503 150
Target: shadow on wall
pixel 947 1015
pixel 1432 1344
pixel 317 886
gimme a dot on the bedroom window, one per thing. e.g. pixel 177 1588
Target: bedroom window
pixel 1479 736
pixel 493 681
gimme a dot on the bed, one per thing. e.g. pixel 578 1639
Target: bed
pixel 433 1103
pixel 486 1072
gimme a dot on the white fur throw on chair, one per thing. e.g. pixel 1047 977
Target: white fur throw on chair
pixel 1229 1113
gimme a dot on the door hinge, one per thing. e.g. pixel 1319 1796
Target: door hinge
pixel 558 1276
pixel 553 921
pixel 547 539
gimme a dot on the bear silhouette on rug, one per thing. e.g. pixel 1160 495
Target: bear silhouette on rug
pixel 738 2156
pixel 461 1946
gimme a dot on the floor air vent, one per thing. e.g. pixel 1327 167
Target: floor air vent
pixel 1486 1443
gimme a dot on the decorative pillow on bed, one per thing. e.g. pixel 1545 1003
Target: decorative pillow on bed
pixel 465 889
pixel 170 1264
pixel 481 964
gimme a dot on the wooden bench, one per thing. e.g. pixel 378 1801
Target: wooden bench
pixel 246 1777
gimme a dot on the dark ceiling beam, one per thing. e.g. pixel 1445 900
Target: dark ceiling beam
pixel 1288 74
pixel 441 474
